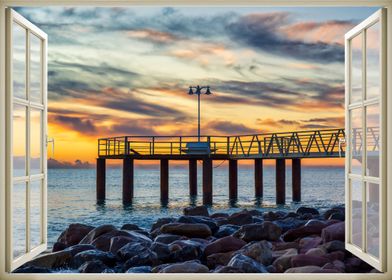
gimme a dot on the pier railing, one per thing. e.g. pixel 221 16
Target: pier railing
pixel 314 143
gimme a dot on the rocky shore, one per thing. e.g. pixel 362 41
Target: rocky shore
pixel 304 241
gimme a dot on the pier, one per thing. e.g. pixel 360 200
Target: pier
pixel 281 147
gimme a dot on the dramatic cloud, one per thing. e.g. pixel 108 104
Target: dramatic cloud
pixel 229 128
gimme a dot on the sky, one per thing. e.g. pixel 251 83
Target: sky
pixel 126 71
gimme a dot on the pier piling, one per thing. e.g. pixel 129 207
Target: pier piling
pixel 280 181
pixel 207 181
pixel 233 179
pixel 259 177
pixel 164 180
pixel 127 191
pixel 101 179
pixel 192 177
pixel 296 179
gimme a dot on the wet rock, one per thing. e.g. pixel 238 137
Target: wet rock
pixel 218 259
pixel 307 210
pixel 130 227
pixel 273 216
pixel 168 238
pixel 130 250
pixel 224 244
pixel 96 232
pixel 228 269
pixel 255 212
pixel 307 243
pixel 219 215
pixel 284 245
pixel 334 245
pixel 118 242
pixel 246 264
pixel 185 267
pixel 260 251
pixel 303 269
pixel 32 269
pixel 58 246
pixel 92 267
pixel 337 255
pixel 103 242
pixel 327 214
pixel 337 216
pixel 143 258
pixel 160 222
pixel 255 232
pixel 196 211
pixel 181 251
pixel 334 232
pixel 316 252
pixel 303 231
pixel 306 260
pixel 51 260
pixel 189 230
pixel 289 223
pixel 74 234
pixel 162 250
pixel 75 249
pixel 140 269
pixel 337 265
pixel 284 262
pixel 226 230
pixel 93 255
pixel 240 218
pixel 199 220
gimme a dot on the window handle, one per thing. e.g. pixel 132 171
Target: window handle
pixel 342 141
pixel 50 140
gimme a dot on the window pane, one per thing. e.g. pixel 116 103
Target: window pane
pixel 35 69
pixel 356 69
pixel 35 213
pixel 356 200
pixel 19 140
pixel 372 138
pixel 373 45
pixel 35 141
pixel 19 219
pixel 356 140
pixel 373 219
pixel 19 61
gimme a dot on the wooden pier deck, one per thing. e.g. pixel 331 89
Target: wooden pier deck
pixel 282 146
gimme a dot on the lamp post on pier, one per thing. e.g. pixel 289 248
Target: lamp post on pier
pixel 198 92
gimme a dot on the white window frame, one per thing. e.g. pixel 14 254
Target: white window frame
pixel 336 3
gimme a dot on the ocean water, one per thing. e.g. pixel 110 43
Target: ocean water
pixel 71 194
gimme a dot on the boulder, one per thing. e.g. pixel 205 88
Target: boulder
pixel 304 269
pixel 284 245
pixel 303 231
pixel 189 230
pixel 96 232
pixel 334 245
pixel 318 252
pixel 103 241
pixel 283 262
pixel 74 234
pixel 224 244
pixel 219 215
pixel 58 246
pixel 185 267
pixel 92 267
pixel 186 250
pixel 144 258
pixel 255 232
pixel 273 215
pixel 75 249
pixel 168 238
pixel 337 265
pixel 226 230
pixel 337 216
pixel 334 232
pixel 162 250
pixel 260 251
pixel 196 211
pixel 306 260
pixel 130 227
pixel 218 259
pixel 227 269
pixel 337 255
pixel 51 260
pixel 93 255
pixel 130 250
pixel 307 243
pixel 140 269
pixel 307 210
pixel 32 269
pixel 199 220
pixel 118 242
pixel 240 218
pixel 289 223
pixel 160 222
pixel 246 264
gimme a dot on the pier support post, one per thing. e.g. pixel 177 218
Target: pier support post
pixel 296 179
pixel 192 177
pixel 258 177
pixel 101 179
pixel 127 190
pixel 207 181
pixel 233 179
pixel 164 180
pixel 280 181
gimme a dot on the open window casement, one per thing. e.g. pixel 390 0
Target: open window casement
pixel 366 161
pixel 26 94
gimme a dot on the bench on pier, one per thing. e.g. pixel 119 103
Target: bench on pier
pixel 198 148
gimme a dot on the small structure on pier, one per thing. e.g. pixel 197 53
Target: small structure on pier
pixel 280 147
